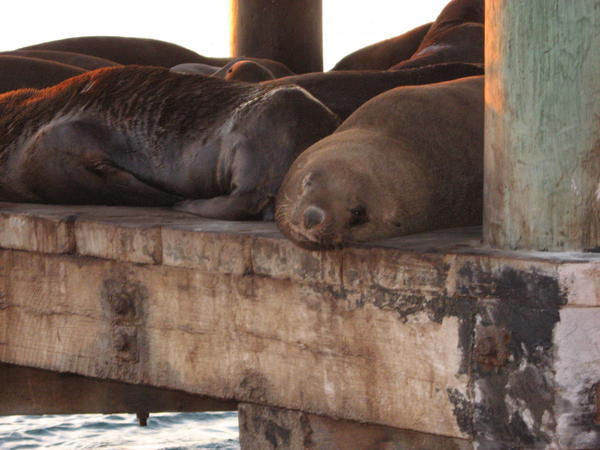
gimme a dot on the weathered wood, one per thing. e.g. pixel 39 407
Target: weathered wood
pixel 542 151
pixel 32 391
pixel 263 427
pixel 430 333
pixel 288 31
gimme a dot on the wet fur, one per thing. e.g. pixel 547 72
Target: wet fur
pixel 412 157
pixel 147 136
pixel 344 91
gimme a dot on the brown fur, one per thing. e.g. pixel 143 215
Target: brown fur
pixel 18 72
pixel 86 62
pixel 124 50
pixel 384 54
pixel 457 35
pixel 344 91
pixel 134 135
pixel 22 113
pixel 410 160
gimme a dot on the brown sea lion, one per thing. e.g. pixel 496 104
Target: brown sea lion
pixel 457 35
pixel 196 69
pixel 344 91
pixel 18 72
pixel 384 54
pixel 240 69
pixel 408 161
pixel 138 135
pixel 248 71
pixel 126 50
pixel 274 68
pixel 86 62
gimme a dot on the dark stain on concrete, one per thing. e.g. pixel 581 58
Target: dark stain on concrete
pixel 125 299
pixel 535 289
pixel 462 409
pixel 254 387
pixel 278 436
pixel 519 310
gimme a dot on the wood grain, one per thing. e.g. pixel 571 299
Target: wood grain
pixel 542 141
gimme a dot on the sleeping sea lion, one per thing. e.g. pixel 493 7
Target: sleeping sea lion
pixel 457 35
pixel 408 161
pixel 344 91
pixel 86 62
pixel 127 50
pixel 135 135
pixel 18 72
pixel 240 69
pixel 384 54
pixel 196 69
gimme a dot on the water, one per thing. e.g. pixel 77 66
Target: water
pixel 213 430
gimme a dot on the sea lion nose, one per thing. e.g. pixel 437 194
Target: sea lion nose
pixel 313 215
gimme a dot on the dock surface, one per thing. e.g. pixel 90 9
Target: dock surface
pixel 431 333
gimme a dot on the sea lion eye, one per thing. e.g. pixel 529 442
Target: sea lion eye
pixel 358 216
pixel 307 181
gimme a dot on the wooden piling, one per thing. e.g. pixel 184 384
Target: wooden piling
pixel 542 150
pixel 289 31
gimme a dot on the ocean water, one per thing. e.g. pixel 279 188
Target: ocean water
pixel 213 430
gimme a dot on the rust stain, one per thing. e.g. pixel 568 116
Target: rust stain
pixel 491 347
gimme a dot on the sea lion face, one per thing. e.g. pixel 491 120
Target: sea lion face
pixel 322 211
pixel 331 198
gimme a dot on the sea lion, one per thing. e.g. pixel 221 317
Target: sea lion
pixel 457 35
pixel 240 69
pixel 86 62
pixel 18 72
pixel 196 69
pixel 124 50
pixel 138 135
pixel 384 54
pixel 408 161
pixel 344 91
pixel 275 69
pixel 249 71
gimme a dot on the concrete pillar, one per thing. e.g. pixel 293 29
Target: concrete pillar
pixel 289 31
pixel 542 150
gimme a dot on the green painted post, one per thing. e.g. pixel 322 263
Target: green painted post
pixel 288 31
pixel 542 136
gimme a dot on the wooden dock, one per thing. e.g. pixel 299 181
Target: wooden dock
pixel 433 341
pixel 433 334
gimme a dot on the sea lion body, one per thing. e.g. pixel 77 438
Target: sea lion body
pixel 344 91
pixel 195 69
pixel 410 160
pixel 18 72
pixel 240 69
pixel 457 35
pixel 86 62
pixel 135 135
pixel 127 50
pixel 268 68
pixel 384 54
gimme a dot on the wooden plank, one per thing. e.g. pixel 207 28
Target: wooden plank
pixel 287 31
pixel 27 391
pixel 442 336
pixel 230 336
pixel 275 428
pixel 542 139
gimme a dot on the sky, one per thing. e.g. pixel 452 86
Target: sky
pixel 203 25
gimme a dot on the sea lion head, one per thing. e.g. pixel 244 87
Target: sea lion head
pixel 346 189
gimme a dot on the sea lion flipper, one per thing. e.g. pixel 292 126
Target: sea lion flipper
pixel 70 162
pixel 237 206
